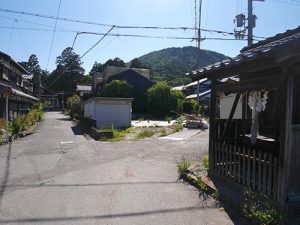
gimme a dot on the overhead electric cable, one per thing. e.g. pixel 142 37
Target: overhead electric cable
pixel 54 30
pixel 98 41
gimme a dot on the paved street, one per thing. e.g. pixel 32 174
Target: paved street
pixel 57 176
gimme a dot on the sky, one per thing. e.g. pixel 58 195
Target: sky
pixel 23 35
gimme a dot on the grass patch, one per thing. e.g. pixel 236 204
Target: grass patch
pixel 163 132
pixel 144 134
pixel 204 161
pixel 183 165
pixel 118 134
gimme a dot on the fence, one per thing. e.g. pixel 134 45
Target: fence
pixel 245 164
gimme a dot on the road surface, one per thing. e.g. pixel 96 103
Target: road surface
pixel 57 176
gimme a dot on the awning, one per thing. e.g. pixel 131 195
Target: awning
pixel 18 93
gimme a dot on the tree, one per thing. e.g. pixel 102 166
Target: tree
pixel 68 72
pixel 33 66
pixel 136 63
pixel 117 88
pixel 162 101
pixel 69 61
pixel 97 67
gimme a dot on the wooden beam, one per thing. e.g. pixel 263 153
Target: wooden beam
pixel 286 133
pixel 212 130
pixel 236 101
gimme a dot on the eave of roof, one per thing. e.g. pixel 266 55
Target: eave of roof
pixel 272 47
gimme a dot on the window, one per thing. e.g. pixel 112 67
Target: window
pixel 6 73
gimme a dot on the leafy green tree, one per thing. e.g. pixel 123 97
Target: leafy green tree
pixel 97 67
pixel 74 104
pixel 117 88
pixel 69 62
pixel 162 101
pixel 68 72
pixel 33 66
pixel 136 63
pixel 189 106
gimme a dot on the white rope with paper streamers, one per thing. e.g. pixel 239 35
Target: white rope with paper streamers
pixel 257 104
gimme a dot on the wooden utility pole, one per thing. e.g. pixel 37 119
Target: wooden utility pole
pixel 199 47
pixel 251 22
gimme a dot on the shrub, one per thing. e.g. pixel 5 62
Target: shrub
pixel 205 162
pixel 183 165
pixel 189 106
pixel 144 134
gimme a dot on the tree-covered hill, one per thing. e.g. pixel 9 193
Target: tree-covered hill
pixel 171 64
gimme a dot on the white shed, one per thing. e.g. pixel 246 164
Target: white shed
pixel 108 111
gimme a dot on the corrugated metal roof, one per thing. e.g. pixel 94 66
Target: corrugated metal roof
pixel 262 49
pixel 203 94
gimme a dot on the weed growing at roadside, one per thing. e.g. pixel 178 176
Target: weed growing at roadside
pixel 163 132
pixel 183 165
pixel 144 134
pixel 260 212
pixel 204 160
pixel 118 134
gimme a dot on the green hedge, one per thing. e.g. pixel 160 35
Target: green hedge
pixel 23 122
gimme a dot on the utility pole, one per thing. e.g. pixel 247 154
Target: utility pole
pixel 240 20
pixel 199 46
pixel 251 22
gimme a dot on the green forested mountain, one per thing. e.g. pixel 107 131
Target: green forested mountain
pixel 171 64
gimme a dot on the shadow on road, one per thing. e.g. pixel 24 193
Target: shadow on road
pixel 77 130
pixel 85 185
pixel 6 173
pixel 105 216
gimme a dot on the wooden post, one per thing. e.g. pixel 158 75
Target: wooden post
pixel 286 133
pixel 212 132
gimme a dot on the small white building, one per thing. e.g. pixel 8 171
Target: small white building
pixel 83 89
pixel 109 111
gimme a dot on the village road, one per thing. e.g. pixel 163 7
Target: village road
pixel 57 176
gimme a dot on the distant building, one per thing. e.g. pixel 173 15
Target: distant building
pixel 83 89
pixel 16 78
pixel 139 79
pixel 190 91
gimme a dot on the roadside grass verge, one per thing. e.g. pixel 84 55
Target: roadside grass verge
pixel 144 134
pixel 118 134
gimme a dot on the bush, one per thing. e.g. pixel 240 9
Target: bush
pixel 189 106
pixel 23 122
pixel 163 100
pixel 144 134
pixel 74 105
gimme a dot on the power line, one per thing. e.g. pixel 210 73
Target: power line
pixel 11 35
pixel 288 3
pixel 134 35
pixel 93 23
pixel 54 30
pixel 98 41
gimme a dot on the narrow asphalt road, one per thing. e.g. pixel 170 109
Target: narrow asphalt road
pixel 57 176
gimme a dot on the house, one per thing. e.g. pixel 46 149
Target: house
pixel 197 89
pixel 109 112
pixel 139 79
pixel 260 148
pixel 83 89
pixel 17 79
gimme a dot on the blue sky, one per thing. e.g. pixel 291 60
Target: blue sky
pixel 274 16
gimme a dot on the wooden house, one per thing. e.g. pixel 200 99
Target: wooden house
pixel 260 149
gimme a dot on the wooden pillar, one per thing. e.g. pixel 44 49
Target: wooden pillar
pixel 285 133
pixel 212 130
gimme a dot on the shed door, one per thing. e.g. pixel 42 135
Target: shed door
pixel 117 114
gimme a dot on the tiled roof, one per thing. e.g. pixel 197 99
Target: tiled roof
pixel 262 49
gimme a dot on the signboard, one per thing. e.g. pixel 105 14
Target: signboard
pixel 7 91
